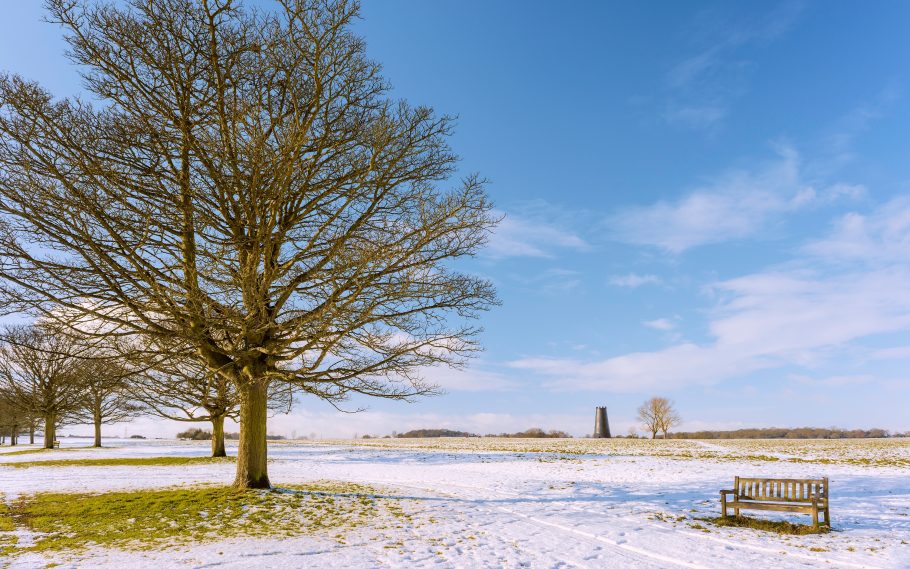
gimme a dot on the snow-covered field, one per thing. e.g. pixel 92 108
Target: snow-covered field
pixel 529 503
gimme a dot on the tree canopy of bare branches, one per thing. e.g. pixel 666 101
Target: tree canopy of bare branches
pixel 105 395
pixel 246 189
pixel 658 415
pixel 185 390
pixel 13 420
pixel 40 375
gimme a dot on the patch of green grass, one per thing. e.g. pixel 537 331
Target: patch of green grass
pixel 779 527
pixel 156 519
pixel 7 541
pixel 34 451
pixel 147 461
pixel 6 517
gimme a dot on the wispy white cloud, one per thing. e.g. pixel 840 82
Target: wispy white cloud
pixel 663 324
pixel 789 317
pixel 701 116
pixel 882 236
pixel 671 368
pixel 892 353
pixel 831 381
pixel 633 280
pixel 473 378
pixel 734 205
pixel 518 236
pixel 838 144
pixel 703 85
pixel 552 281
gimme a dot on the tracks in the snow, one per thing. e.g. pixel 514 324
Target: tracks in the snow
pixel 643 557
pixel 634 556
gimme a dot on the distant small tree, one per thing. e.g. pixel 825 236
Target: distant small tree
pixel 105 398
pixel 658 415
pixel 187 391
pixel 195 434
pixel 647 414
pixel 181 389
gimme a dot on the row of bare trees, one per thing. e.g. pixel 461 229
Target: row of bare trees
pixel 40 378
pixel 50 377
pixel 14 422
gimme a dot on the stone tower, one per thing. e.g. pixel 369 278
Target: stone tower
pixel 601 425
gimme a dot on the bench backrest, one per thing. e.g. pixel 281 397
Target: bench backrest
pixel 781 489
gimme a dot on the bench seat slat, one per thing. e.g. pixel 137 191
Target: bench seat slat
pixel 778 506
pixel 745 498
pixel 799 480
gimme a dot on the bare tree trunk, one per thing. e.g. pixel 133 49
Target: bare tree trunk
pixel 50 430
pixel 252 471
pixel 14 436
pixel 218 436
pixel 97 430
pixel 31 432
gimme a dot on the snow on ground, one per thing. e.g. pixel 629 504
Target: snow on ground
pixel 509 503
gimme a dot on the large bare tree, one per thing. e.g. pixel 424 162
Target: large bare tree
pixel 658 414
pixel 245 187
pixel 40 374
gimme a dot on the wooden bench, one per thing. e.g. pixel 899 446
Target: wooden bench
pixel 56 444
pixel 801 496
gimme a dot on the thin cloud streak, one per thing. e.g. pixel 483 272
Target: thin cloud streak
pixel 633 280
pixel 735 205
pixel 517 236
pixel 703 85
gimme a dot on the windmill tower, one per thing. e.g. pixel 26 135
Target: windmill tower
pixel 601 425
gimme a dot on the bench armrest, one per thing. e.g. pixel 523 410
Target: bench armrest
pixel 728 492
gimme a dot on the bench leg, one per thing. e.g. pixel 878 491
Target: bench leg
pixel 723 505
pixel 815 516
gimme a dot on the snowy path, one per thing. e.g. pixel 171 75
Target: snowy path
pixel 505 509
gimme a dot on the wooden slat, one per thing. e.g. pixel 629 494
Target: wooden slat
pixel 800 490
pixel 807 480
pixel 781 507
pixel 774 499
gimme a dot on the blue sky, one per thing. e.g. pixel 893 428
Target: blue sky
pixel 706 201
